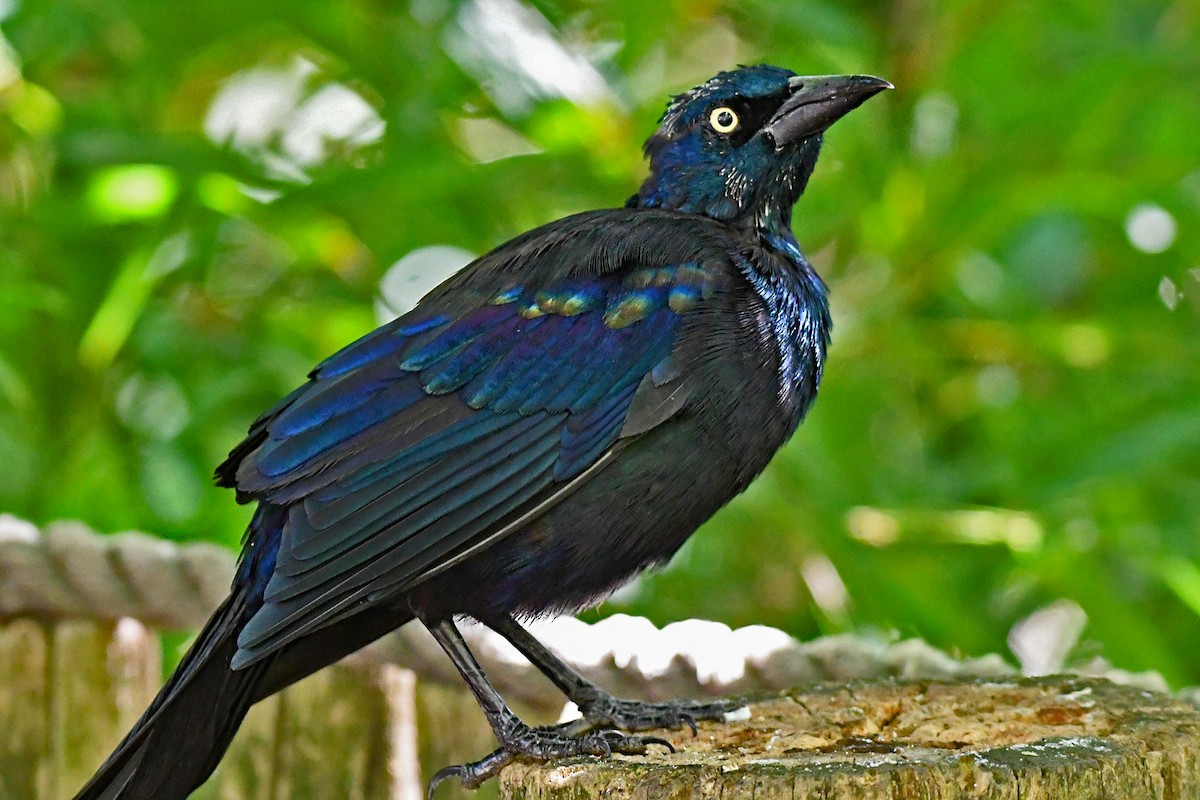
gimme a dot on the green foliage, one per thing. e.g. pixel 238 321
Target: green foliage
pixel 1011 413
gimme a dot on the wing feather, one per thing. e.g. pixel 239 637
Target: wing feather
pixel 472 507
pixel 358 515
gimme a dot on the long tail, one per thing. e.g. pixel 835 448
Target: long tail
pixel 180 738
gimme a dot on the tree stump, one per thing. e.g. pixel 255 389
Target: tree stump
pixel 1058 738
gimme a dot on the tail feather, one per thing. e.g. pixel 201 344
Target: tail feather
pixel 181 737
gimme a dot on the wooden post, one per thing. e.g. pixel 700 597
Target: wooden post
pixel 327 736
pixel 70 689
pixel 1024 739
pixel 68 692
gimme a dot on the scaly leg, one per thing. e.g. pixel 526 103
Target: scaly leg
pixel 515 737
pixel 599 708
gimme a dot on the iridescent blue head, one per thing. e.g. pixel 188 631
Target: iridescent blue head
pixel 742 146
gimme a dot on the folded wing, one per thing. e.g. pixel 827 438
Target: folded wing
pixel 439 431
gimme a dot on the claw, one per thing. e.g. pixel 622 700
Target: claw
pixel 442 775
pixel 649 740
pixel 633 745
pixel 602 742
pixel 474 774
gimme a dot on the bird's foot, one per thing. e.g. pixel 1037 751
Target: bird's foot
pixel 633 715
pixel 544 744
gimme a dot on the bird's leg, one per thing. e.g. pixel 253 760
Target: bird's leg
pixel 599 708
pixel 516 738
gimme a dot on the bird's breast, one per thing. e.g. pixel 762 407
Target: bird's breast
pixel 792 315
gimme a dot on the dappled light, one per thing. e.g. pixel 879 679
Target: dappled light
pixel 279 118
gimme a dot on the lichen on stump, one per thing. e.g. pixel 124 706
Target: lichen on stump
pixel 1025 739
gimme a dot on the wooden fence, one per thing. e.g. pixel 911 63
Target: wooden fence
pixel 82 621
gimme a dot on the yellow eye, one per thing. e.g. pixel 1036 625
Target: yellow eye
pixel 723 120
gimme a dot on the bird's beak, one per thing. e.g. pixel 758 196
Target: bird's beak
pixel 817 102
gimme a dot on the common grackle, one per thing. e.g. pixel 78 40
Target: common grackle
pixel 555 418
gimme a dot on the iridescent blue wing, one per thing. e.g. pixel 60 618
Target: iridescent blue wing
pixel 450 426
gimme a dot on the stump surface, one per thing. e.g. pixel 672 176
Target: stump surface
pixel 1025 739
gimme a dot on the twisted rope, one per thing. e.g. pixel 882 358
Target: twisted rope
pixel 67 571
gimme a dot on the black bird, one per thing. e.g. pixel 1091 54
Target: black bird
pixel 552 420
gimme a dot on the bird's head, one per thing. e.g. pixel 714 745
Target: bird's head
pixel 742 146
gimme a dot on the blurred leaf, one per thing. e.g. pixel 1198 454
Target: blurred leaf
pixel 135 191
pixel 1010 349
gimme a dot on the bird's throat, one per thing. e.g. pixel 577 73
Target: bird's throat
pixel 797 311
